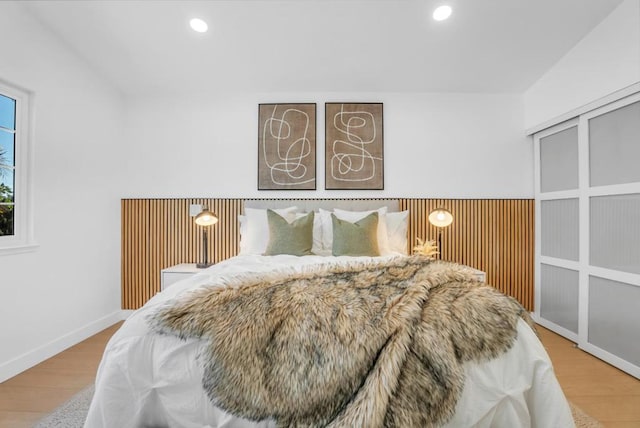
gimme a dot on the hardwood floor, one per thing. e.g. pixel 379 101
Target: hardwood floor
pixel 31 395
pixel 601 390
pixel 604 392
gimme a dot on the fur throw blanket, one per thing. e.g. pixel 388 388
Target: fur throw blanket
pixel 367 344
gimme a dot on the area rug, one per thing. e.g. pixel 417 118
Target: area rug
pixel 73 413
pixel 582 419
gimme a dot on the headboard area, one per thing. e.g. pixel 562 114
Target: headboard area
pixel 307 205
pixel 493 235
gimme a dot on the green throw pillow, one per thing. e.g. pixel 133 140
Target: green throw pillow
pixel 294 238
pixel 355 239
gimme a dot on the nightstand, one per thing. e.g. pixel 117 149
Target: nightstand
pixel 480 275
pixel 175 273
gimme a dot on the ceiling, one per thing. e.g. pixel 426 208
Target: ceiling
pixel 147 47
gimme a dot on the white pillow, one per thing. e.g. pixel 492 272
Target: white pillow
pixel 242 219
pixel 317 247
pixel 353 216
pixel 254 228
pixel 397 227
pixel 317 233
pixel 327 230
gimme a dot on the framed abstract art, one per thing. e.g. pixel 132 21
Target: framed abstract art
pixel 287 146
pixel 354 156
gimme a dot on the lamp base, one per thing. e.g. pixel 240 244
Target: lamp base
pixel 203 265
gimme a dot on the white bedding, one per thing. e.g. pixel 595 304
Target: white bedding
pixel 150 380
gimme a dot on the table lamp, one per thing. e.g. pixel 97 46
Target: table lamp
pixel 440 218
pixel 205 219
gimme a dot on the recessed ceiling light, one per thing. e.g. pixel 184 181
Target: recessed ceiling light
pixel 441 13
pixel 198 25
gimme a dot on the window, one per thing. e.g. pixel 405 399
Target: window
pixel 15 216
pixel 7 164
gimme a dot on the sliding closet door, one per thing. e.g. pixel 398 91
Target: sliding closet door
pixel 588 231
pixel 558 229
pixel 610 326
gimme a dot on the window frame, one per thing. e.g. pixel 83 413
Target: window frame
pixel 23 238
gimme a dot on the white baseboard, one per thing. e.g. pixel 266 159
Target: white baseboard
pixel 126 313
pixel 41 353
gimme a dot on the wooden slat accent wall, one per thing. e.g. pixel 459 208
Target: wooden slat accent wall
pixel 158 233
pixel 493 235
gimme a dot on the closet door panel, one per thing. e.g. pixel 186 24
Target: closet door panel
pixel 560 228
pixel 614 318
pixel 559 161
pixel 559 296
pixel 614 146
pixel 614 229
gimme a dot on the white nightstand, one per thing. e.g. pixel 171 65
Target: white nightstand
pixel 482 277
pixel 175 273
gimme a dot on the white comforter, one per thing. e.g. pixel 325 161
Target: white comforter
pixel 150 380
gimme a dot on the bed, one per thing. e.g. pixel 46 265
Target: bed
pixel 158 376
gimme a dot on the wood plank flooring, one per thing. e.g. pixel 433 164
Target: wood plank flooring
pixel 604 392
pixel 31 395
pixel 601 390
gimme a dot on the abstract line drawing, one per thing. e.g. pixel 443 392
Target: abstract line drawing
pixel 354 146
pixel 287 146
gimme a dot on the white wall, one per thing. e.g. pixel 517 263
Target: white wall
pixel 604 61
pixel 68 288
pixel 435 145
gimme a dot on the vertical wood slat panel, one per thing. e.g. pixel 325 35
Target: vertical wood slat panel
pixel 495 236
pixel 135 252
pixel 158 233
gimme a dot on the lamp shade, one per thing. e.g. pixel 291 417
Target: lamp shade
pixel 440 217
pixel 206 218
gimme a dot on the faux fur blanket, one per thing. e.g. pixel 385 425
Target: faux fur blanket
pixel 369 344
